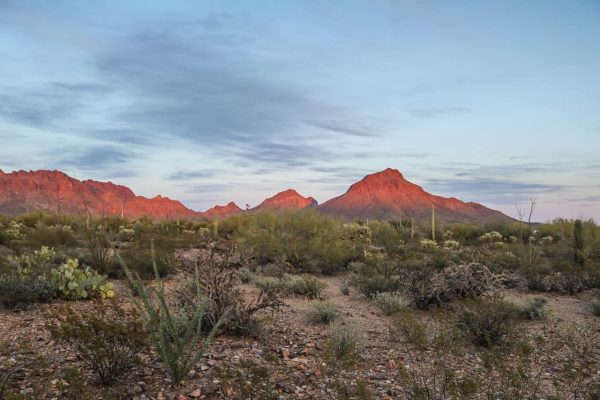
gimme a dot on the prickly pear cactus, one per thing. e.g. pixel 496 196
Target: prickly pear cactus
pixel 76 282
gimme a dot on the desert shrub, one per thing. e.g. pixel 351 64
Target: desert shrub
pixel 306 240
pixel 376 275
pixel 139 261
pixel 487 321
pixel 245 275
pixel 108 338
pixel 323 312
pixel 307 286
pixel 372 285
pixel 546 280
pixel 225 304
pixel 75 282
pixel 391 237
pixel 428 372
pixel 37 263
pixel 594 304
pixel 72 386
pixel 344 340
pixel 180 346
pixel 56 235
pixel 268 284
pixel 428 287
pixel 345 288
pixel 534 308
pixel 391 302
pixel 19 290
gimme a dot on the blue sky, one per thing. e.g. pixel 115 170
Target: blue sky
pixel 212 101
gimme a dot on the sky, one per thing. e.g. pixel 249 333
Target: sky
pixel 206 102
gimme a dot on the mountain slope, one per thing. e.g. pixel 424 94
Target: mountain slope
pixel 287 200
pixel 387 195
pixel 222 211
pixel 54 191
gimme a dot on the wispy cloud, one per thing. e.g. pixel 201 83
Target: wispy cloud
pixel 189 174
pixel 434 112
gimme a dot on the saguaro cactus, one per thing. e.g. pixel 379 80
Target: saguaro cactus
pixel 432 222
pixel 578 243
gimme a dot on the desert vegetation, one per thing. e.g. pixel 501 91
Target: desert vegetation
pixel 296 304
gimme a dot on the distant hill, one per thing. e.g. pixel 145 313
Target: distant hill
pixel 288 199
pixel 222 211
pixel 387 195
pixel 54 191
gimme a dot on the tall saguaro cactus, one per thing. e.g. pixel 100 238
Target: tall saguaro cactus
pixel 578 243
pixel 432 222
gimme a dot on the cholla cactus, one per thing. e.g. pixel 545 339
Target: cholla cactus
pixel 491 237
pixel 64 228
pixel 126 234
pixel 428 244
pixel 448 235
pixel 451 245
pixel 74 282
pixel 14 231
pixel 546 240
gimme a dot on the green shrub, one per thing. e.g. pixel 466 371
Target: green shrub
pixel 37 263
pixel 323 312
pixel 307 286
pixel 345 288
pixel 245 275
pixel 180 347
pixel 306 240
pixel 56 235
pixel 75 282
pixel 534 308
pixel 487 321
pixel 391 302
pixel 594 304
pixel 344 340
pixel 139 261
pixel 268 284
pixel 19 290
pixel 108 339
pixel 428 369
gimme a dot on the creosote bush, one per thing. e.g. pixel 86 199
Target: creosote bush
pixel 487 320
pixel 19 290
pixel 323 312
pixel 534 308
pixel 391 302
pixel 109 339
pixel 306 285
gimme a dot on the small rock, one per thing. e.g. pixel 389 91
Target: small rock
pixel 196 393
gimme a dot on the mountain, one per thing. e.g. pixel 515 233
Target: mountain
pixel 387 195
pixel 54 191
pixel 382 195
pixel 222 211
pixel 287 200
